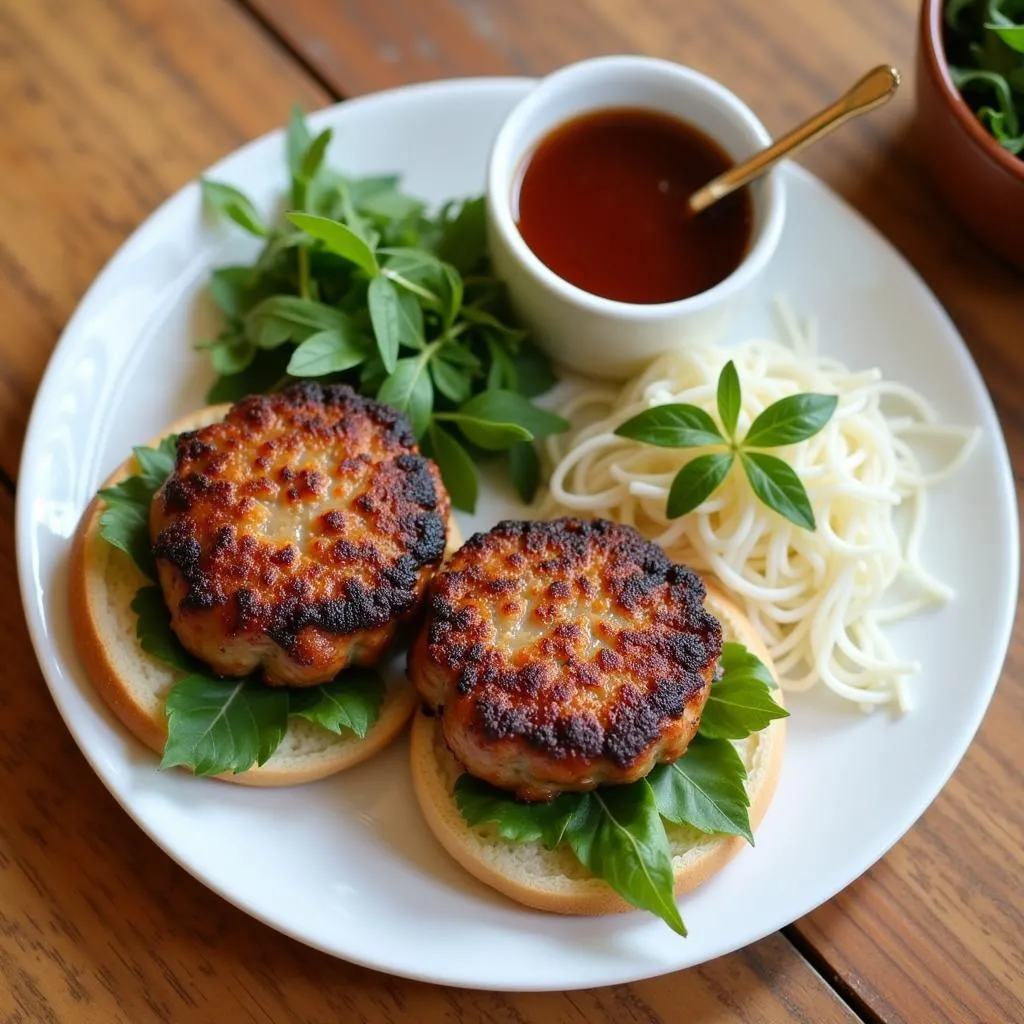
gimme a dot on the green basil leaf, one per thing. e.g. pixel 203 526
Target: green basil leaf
pixel 740 701
pixel 524 468
pixel 390 205
pixel 153 629
pixel 339 239
pixel 297 140
pixel 314 155
pixel 775 482
pixel 502 406
pixel 464 239
pixel 492 437
pixel 480 803
pixel 126 526
pixel 1012 35
pixel 230 288
pixel 457 468
pixel 736 661
pixel 672 426
pixel 329 351
pixel 349 703
pixel 216 726
pixel 502 372
pixel 266 370
pixel 449 293
pixel 409 390
pixel 450 380
pixel 729 397
pixel 705 789
pixel 157 464
pixel 696 482
pixel 282 318
pixel 534 373
pixel 124 521
pixel 364 190
pixel 790 420
pixel 410 321
pixel 617 833
pixel 386 317
pixel 227 201
pixel 232 355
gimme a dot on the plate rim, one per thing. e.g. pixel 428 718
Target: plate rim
pixel 42 646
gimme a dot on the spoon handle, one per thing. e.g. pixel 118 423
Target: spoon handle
pixel 871 91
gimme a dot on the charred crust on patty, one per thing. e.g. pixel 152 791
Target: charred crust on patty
pixel 373 511
pixel 613 647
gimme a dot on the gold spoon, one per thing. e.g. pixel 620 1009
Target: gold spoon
pixel 875 88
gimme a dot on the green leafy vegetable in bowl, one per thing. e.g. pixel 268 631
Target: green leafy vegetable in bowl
pixel 360 283
pixel 984 42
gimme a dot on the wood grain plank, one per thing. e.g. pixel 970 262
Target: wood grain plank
pixel 103 118
pixel 96 924
pixel 932 932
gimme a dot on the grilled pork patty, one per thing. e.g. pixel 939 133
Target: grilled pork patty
pixel 296 534
pixel 565 655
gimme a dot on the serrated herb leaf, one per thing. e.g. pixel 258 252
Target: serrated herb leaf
pixel 740 701
pixel 617 833
pixel 338 238
pixel 153 629
pixel 228 201
pixel 524 468
pixel 790 420
pixel 775 482
pixel 329 351
pixel 481 803
pixel 386 317
pixel 504 406
pixel 157 464
pixel 729 397
pixel 349 703
pixel 457 468
pixel 216 726
pixel 696 482
pixel 672 426
pixel 705 789
pixel 410 391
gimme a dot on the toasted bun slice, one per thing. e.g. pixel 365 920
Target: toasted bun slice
pixel 104 581
pixel 553 880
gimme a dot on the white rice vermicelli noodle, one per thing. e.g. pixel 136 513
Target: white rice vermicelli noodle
pixel 819 599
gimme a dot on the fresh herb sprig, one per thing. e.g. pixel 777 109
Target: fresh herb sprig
pixel 985 46
pixel 618 832
pixel 359 283
pixel 218 725
pixel 788 421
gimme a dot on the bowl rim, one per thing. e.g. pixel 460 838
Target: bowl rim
pixel 504 164
pixel 934 51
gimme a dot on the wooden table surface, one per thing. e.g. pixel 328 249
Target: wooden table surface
pixel 108 106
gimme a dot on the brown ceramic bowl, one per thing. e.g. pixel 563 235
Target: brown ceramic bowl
pixel 981 182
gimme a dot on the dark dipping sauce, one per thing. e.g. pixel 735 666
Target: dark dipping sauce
pixel 602 199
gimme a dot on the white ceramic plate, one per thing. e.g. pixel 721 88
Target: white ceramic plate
pixel 347 865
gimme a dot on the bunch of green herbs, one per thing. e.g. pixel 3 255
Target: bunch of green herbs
pixel 359 283
pixel 984 42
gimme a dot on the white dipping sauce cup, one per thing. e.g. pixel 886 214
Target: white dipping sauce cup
pixel 603 337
